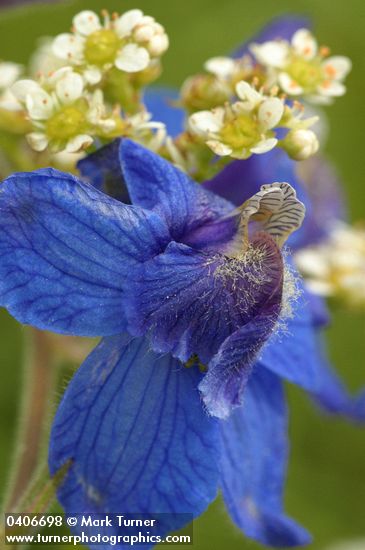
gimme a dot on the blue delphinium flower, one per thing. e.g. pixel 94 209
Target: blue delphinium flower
pixel 132 426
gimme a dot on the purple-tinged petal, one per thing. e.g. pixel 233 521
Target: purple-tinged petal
pixel 298 355
pixel 190 302
pixel 254 459
pixel 66 250
pixel 154 183
pixel 133 437
pixel 223 385
pixel 279 28
pixel 103 170
pixel 160 103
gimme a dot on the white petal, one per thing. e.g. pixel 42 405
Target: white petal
pixel 304 43
pixel 219 148
pixel 70 88
pixel 132 59
pixel 158 44
pixel 337 67
pixel 37 141
pixel 264 146
pixel 78 143
pixel 204 122
pixel 126 23
pixel 68 46
pixel 92 75
pixel 222 67
pixel 273 53
pixel 248 93
pixel 86 22
pixel 289 85
pixel 9 72
pixel 331 89
pixel 270 112
pixel 39 104
pixel 23 87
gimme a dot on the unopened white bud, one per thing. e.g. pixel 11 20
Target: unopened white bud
pixel 300 144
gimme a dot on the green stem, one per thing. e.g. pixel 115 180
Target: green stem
pixel 38 384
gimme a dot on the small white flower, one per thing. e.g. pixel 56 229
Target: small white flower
pixel 129 42
pixel 300 144
pixel 301 68
pixel 336 267
pixel 240 129
pixel 63 115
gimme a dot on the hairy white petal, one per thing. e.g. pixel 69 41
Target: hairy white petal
pixel 132 59
pixel 86 22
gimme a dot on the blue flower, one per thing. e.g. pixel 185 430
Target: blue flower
pixel 132 427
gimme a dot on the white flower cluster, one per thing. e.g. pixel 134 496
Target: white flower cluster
pixel 65 116
pixel 300 68
pixel 129 43
pixel 246 126
pixel 336 267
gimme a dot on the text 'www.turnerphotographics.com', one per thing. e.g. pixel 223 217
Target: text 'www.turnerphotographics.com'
pixel 94 529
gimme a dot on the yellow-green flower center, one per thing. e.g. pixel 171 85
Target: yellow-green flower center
pixel 68 122
pixel 307 73
pixel 101 47
pixel 241 132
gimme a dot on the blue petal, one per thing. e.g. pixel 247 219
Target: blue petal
pixel 282 27
pixel 223 385
pixel 298 355
pixel 254 457
pixel 154 183
pixel 220 309
pixel 66 250
pixel 159 102
pixel 133 433
pixel 103 170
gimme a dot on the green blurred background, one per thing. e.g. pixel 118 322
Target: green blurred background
pixel 326 480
